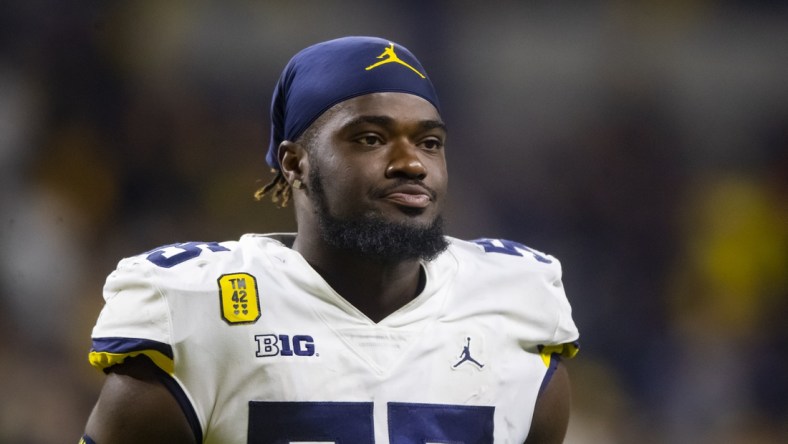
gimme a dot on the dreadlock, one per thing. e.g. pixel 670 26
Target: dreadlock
pixel 281 190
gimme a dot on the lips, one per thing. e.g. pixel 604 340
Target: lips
pixel 412 196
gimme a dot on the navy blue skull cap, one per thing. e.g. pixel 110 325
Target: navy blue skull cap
pixel 327 73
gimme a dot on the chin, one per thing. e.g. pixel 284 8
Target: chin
pixel 413 212
pixel 380 236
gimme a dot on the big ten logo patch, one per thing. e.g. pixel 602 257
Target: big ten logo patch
pixel 284 345
pixel 239 298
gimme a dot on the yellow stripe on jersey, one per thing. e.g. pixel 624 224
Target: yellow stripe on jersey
pixel 103 360
pixel 564 350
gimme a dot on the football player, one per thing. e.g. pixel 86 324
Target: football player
pixel 368 324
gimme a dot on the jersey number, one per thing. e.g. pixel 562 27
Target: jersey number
pixel 511 248
pixel 351 422
pixel 169 256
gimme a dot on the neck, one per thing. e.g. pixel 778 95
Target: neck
pixel 376 287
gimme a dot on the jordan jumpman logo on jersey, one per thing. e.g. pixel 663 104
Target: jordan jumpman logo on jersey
pixel 466 355
pixel 389 56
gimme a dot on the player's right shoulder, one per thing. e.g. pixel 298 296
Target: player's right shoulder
pixel 171 261
pixel 189 263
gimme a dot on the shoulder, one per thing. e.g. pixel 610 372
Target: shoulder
pixel 144 291
pixel 198 254
pixel 518 280
pixel 192 263
pixel 504 256
pixel 149 281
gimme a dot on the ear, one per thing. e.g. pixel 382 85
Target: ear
pixel 292 160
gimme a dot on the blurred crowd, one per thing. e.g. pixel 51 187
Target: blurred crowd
pixel 645 144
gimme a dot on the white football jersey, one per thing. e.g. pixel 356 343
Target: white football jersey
pixel 258 348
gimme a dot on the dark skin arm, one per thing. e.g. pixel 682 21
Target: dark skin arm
pixel 135 407
pixel 551 414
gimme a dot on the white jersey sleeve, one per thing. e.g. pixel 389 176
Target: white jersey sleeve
pixel 526 285
pixel 135 319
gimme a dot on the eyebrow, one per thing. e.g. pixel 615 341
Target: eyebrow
pixel 388 121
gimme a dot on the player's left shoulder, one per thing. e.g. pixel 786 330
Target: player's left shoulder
pixel 504 254
pixel 516 278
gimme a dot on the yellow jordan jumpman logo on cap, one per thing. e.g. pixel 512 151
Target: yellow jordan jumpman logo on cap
pixel 389 56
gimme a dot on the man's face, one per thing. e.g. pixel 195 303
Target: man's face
pixel 377 176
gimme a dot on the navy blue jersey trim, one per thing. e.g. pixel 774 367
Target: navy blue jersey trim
pixel 127 345
pixel 183 401
pixel 555 359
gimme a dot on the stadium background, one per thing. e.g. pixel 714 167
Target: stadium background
pixel 643 143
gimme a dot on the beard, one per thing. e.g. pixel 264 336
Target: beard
pixel 372 236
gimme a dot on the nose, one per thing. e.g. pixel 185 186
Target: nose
pixel 405 162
